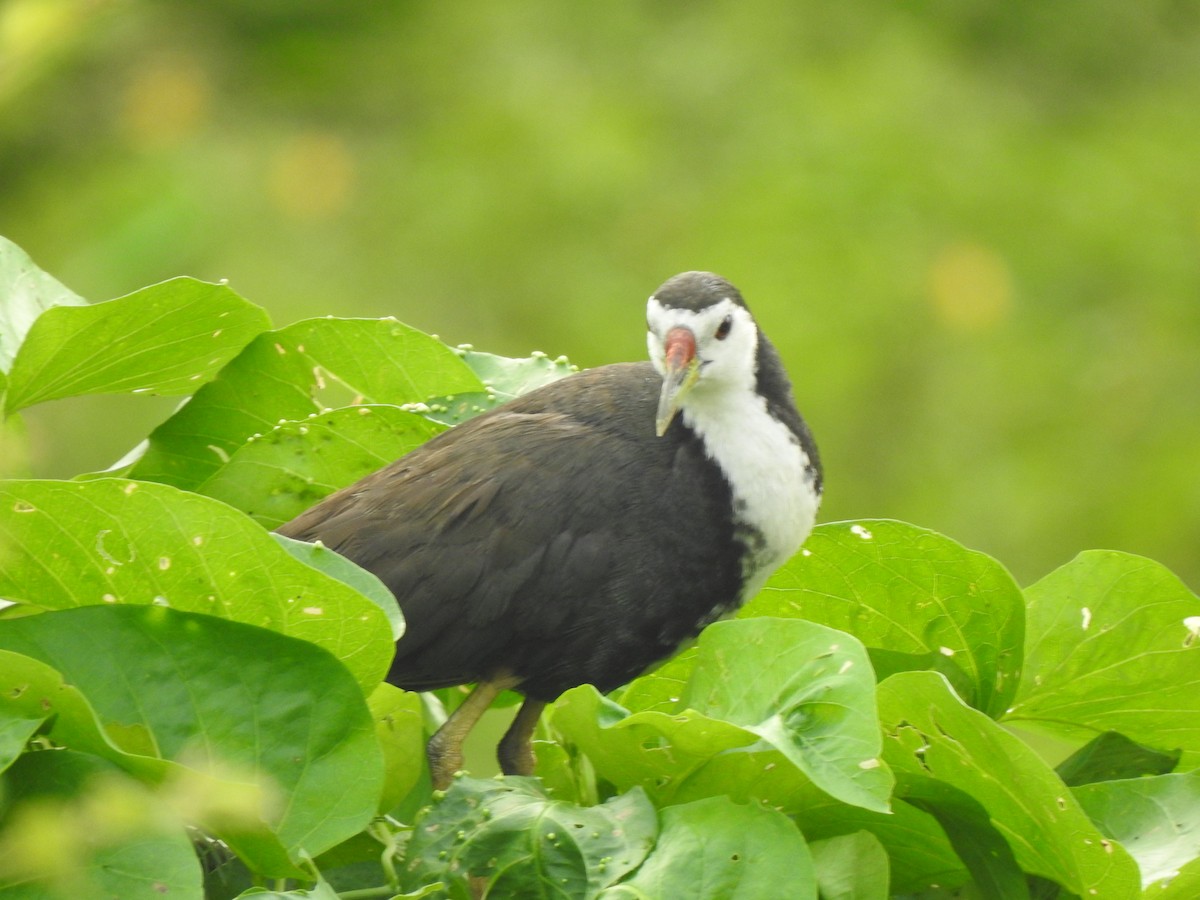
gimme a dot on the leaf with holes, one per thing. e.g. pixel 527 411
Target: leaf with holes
pixel 1156 819
pixel 271 733
pixel 716 849
pixel 977 841
pixel 508 378
pixel 516 842
pixel 167 339
pixel 112 541
pixel 934 739
pixel 288 374
pixel 321 558
pixel 1114 645
pixel 801 689
pixel 275 477
pixel 917 599
pixel 25 685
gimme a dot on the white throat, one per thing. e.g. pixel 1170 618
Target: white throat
pixel 774 498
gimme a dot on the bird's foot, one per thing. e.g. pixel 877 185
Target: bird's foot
pixel 445 759
pixel 515 750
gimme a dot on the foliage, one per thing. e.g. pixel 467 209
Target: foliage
pixel 190 705
pixel 969 227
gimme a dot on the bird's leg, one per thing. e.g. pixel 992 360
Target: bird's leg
pixel 515 751
pixel 444 750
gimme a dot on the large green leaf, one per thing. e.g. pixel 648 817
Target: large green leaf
pixel 291 373
pixel 167 339
pixel 79 827
pixel 679 758
pixel 321 558
pixel 917 599
pixel 113 541
pixel 1156 819
pixel 1181 885
pixel 277 476
pixel 1114 645
pixel 851 867
pixel 272 732
pixel 758 685
pixel 995 874
pixel 510 837
pixel 934 737
pixel 716 849
pixel 25 293
pixel 805 689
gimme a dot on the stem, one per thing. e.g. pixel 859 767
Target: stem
pixel 368 893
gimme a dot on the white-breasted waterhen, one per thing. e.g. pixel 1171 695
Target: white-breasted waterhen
pixel 585 530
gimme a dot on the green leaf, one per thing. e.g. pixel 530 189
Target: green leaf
pixel 652 749
pixel 920 854
pixel 1113 646
pixel 400 726
pixel 321 558
pixel 21 710
pixel 1183 885
pixel 917 599
pixel 522 845
pixel 807 690
pixel 272 732
pixel 305 368
pixel 32 688
pixel 15 732
pixel 851 867
pixel 995 874
pixel 26 292
pixel 277 476
pixel 503 379
pixel 321 891
pixel 716 849
pixel 1156 819
pixel 167 339
pixel 114 541
pixel 661 688
pixel 453 409
pixel 933 736
pixel 78 827
pixel 507 378
pixel 800 689
pixel 1110 757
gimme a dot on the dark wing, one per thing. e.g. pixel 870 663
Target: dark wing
pixel 521 541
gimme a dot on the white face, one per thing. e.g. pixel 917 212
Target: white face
pixel 726 342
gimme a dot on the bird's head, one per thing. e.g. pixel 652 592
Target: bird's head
pixel 702 340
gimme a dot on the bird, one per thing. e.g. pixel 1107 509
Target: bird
pixel 584 531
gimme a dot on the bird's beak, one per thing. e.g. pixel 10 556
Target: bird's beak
pixel 681 369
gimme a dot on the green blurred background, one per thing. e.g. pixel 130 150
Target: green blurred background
pixel 972 228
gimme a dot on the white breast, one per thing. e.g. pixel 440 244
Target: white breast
pixel 773 493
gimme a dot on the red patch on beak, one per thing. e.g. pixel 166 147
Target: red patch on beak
pixel 679 348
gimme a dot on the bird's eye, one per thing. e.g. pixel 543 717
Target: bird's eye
pixel 723 328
